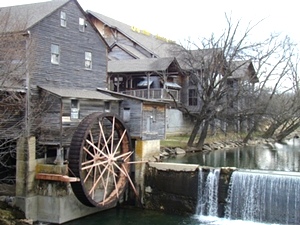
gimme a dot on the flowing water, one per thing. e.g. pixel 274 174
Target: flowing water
pixel 259 194
pixel 208 193
pixel 264 197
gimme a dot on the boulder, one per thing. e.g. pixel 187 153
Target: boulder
pixel 180 151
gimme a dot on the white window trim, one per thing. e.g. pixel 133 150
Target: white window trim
pixel 63 19
pixel 55 56
pixel 75 111
pixel 81 24
pixel 88 60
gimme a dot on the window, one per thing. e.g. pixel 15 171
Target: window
pixel 192 97
pixel 126 114
pixel 74 109
pixel 106 106
pixel 55 54
pixel 81 24
pixel 63 19
pixel 88 60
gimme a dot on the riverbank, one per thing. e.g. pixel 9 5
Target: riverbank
pixel 9 214
pixel 177 145
pixel 180 147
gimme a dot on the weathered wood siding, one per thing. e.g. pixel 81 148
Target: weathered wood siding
pixel 112 36
pixel 131 113
pixel 57 127
pixel 119 54
pixel 49 129
pixel 70 72
pixel 154 122
pixel 145 121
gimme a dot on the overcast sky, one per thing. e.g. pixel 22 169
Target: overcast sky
pixel 180 19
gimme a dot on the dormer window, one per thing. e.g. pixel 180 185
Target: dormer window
pixel 63 19
pixel 81 24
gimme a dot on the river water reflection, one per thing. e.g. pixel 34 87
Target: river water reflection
pixel 278 157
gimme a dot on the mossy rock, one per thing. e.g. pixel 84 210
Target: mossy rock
pixel 10 215
pixel 6 214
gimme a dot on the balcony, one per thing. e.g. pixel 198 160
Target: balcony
pixel 155 94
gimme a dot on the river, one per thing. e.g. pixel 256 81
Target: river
pixel 277 157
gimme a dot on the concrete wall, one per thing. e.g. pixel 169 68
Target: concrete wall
pixel 177 123
pixel 43 200
pixel 174 188
pixel 171 187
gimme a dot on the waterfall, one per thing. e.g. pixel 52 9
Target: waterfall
pixel 208 192
pixel 264 197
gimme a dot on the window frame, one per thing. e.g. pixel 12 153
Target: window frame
pixel 55 54
pixel 63 19
pixel 81 24
pixel 88 60
pixel 74 109
pixel 192 97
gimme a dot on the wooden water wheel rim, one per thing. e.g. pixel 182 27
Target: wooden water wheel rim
pixel 100 155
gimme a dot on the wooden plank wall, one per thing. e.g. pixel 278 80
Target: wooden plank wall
pixel 147 120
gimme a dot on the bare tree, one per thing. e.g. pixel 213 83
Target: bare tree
pixel 15 61
pixel 274 69
pixel 218 71
pixel 283 110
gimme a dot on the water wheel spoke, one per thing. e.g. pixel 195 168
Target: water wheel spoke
pixel 99 150
pixel 88 162
pixel 129 155
pixel 129 179
pixel 104 138
pixel 122 157
pixel 108 141
pixel 92 140
pixel 101 159
pixel 93 160
pixel 112 134
pixel 99 178
pixel 120 141
pixel 94 165
pixel 94 179
pixel 106 184
pixel 88 174
pixel 120 169
pixel 89 152
pixel 135 162
pixel 114 175
pixel 102 179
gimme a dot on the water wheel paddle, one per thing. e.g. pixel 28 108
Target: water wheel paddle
pixel 100 156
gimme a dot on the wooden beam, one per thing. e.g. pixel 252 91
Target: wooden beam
pixel 56 177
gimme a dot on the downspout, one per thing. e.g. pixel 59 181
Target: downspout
pixel 148 85
pixel 60 150
pixel 27 111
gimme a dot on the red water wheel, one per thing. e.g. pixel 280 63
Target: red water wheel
pixel 100 156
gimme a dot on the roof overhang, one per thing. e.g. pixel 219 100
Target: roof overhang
pixel 78 93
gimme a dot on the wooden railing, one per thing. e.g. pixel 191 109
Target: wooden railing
pixel 154 93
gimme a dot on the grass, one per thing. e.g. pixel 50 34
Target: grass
pixel 181 140
pixel 175 141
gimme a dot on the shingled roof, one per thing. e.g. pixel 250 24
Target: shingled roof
pixel 245 70
pixel 76 93
pixel 131 50
pixel 29 14
pixel 141 65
